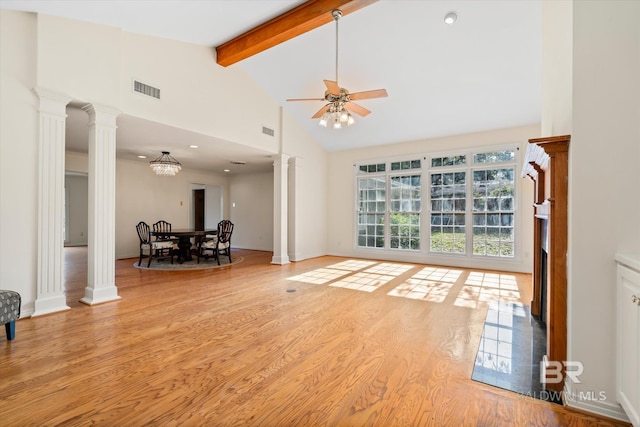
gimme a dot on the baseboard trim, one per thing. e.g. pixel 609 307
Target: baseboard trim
pixel 600 407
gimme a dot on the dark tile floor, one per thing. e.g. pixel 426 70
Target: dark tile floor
pixel 511 348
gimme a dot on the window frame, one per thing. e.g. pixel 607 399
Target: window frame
pixel 388 174
pixel 425 171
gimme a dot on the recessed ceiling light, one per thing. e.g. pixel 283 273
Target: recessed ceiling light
pixel 193 146
pixel 450 18
pixel 227 170
pixel 142 157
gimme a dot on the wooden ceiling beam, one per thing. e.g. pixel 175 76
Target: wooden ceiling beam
pixel 305 17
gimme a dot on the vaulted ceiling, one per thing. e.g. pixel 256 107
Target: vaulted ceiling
pixel 481 73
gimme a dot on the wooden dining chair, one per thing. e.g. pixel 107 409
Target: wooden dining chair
pixel 154 248
pixel 220 244
pixel 165 227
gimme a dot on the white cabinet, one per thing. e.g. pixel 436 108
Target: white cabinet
pixel 628 338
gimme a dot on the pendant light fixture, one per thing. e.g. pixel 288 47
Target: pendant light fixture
pixel 165 165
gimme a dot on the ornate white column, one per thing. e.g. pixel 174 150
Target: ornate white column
pixel 295 204
pixel 280 206
pixel 50 285
pixel 101 256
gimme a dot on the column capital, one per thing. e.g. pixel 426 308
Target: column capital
pixel 52 102
pixel 281 159
pixel 104 115
pixel 296 162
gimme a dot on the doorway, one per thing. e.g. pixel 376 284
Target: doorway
pixel 207 206
pixel 198 209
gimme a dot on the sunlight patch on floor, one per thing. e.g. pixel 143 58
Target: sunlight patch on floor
pixel 496 350
pixel 319 276
pixel 429 284
pixel 374 277
pixel 366 282
pixel 389 269
pixel 484 287
pixel 352 265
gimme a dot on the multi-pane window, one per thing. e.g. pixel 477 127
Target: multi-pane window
pixel 471 203
pixel 372 199
pixel 448 207
pixel 389 205
pixel 404 212
pixel 406 164
pixel 376 167
pixel 494 156
pixel 448 161
pixel 493 212
pixel 486 203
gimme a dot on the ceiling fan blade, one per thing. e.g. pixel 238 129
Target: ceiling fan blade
pixel 352 106
pixel 378 93
pixel 332 87
pixel 320 112
pixel 306 99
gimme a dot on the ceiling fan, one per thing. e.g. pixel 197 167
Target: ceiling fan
pixel 340 103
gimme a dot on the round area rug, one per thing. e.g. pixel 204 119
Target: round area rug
pixel 205 264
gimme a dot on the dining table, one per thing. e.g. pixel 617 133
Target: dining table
pixel 184 236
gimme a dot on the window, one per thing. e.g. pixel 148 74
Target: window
pixel 372 206
pixel 407 164
pixel 406 199
pixel 398 206
pixel 378 167
pixel 448 161
pixel 493 214
pixel 470 200
pixel 448 207
pixel 487 204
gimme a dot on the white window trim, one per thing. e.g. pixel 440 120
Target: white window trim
pixel 424 253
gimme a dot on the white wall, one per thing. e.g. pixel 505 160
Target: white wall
pixel 197 94
pixel 557 70
pixel 341 215
pixel 604 195
pixel 18 154
pixel 97 63
pixel 79 59
pixel 251 211
pixel 309 205
pixel 213 204
pixel 76 188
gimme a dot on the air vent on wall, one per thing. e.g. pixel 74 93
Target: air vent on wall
pixel 145 89
pixel 268 131
pixel 238 162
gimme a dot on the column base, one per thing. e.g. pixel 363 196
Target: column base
pixel 280 260
pixel 94 296
pixel 50 305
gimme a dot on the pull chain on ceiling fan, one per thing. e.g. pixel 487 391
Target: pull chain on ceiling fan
pixel 340 101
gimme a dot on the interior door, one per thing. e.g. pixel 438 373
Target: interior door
pixel 198 209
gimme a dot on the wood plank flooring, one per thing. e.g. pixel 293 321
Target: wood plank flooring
pixel 323 342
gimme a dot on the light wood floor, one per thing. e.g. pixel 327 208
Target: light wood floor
pixel 358 343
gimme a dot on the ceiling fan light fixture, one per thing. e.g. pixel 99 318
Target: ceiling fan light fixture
pixel 450 18
pixel 337 98
pixel 344 116
pixel 324 120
